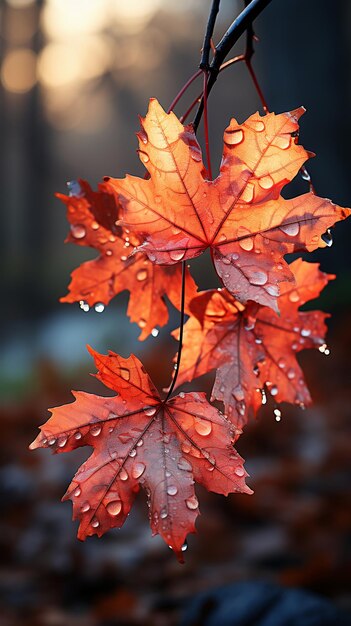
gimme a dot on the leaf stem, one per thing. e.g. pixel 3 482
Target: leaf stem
pixel 206 129
pixel 181 330
pixel 224 66
pixel 183 90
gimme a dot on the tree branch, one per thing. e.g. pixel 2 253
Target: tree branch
pixel 229 39
pixel 205 58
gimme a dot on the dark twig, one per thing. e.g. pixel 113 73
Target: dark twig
pixel 237 28
pixel 205 58
pixel 206 128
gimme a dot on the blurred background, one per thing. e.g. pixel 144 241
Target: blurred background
pixel 74 75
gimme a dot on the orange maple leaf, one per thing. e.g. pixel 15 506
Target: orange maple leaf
pixel 252 347
pixel 140 440
pixel 94 219
pixel 240 216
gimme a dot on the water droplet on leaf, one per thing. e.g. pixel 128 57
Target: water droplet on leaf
pixel 78 231
pixel 114 508
pixel 192 503
pixel 99 307
pixel 138 469
pixel 203 427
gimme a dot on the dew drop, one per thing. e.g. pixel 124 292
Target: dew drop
pixel 273 390
pixel 142 323
pixel 132 453
pixel 95 430
pixel 239 471
pixel 186 447
pixel 78 231
pixel 138 469
pixel 233 137
pixel 294 296
pixel 192 503
pixel 114 508
pixel 78 435
pixel 257 125
pixel 62 442
pixel 222 237
pixel 324 349
pixel 282 142
pixel 99 307
pixel 327 238
pixel 277 415
pixel 203 427
pixel 163 514
pixel 248 193
pixel 77 492
pixel 177 255
pixel 172 490
pixel 74 189
pixel 51 441
pixel 85 507
pixel 123 474
pixel 266 182
pixel 145 157
pixel 108 253
pixel 155 332
pixel 184 547
pixel 238 394
pixel 264 396
pixel 183 464
pixel 125 373
pixel 150 410
pixel 141 275
pixel 246 244
pixel 95 523
pixel 258 278
pixel 272 290
pixel 84 306
pixel 139 443
pixel 291 374
pixel 306 332
pixel 291 229
pixel 95 225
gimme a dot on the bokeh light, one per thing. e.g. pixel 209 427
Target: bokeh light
pixel 18 71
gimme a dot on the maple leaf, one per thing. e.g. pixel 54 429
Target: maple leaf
pixel 94 219
pixel 253 347
pixel 140 440
pixel 240 216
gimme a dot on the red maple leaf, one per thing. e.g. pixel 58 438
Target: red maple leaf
pixel 240 216
pixel 140 440
pixel 94 219
pixel 253 347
